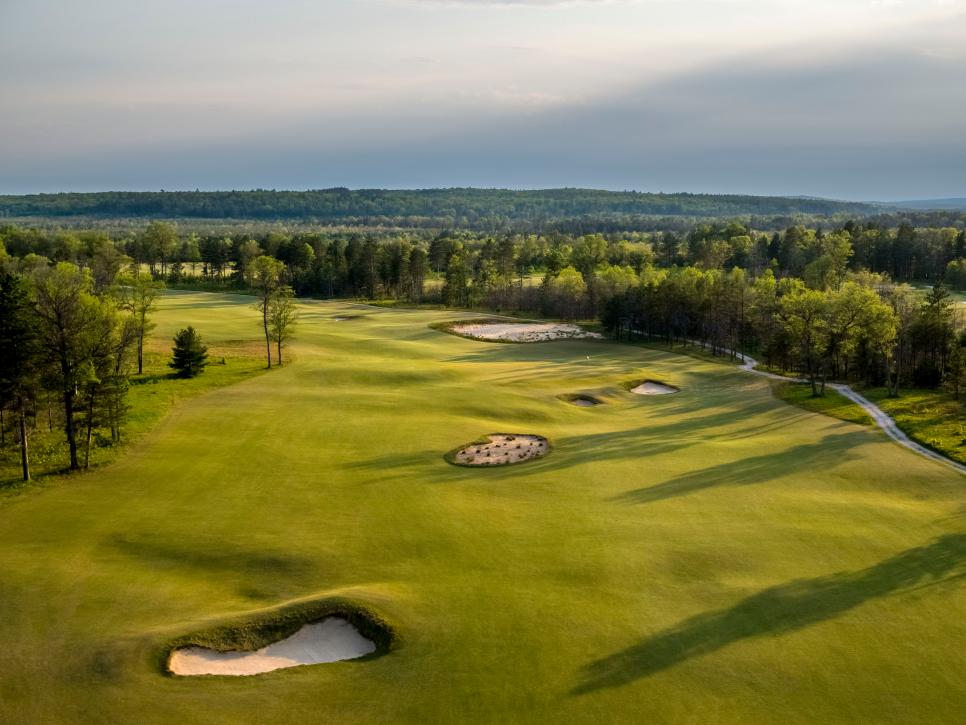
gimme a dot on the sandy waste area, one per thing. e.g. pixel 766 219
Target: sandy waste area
pixel 330 640
pixel 649 387
pixel 502 449
pixel 524 331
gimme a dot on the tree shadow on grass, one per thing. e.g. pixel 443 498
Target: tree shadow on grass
pixel 780 610
pixel 150 378
pixel 836 448
pixel 212 556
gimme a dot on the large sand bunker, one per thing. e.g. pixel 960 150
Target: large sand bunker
pixel 331 640
pixel 652 387
pixel 501 449
pixel 521 331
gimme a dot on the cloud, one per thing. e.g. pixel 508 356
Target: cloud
pixel 855 118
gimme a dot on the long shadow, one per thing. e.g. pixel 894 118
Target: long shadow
pixel 641 442
pixel 220 558
pixel 779 610
pixel 655 437
pixel 746 471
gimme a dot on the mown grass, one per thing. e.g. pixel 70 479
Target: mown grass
pixel 711 556
pixel 930 417
pixel 832 403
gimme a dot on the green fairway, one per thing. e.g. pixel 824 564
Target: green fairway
pixel 713 556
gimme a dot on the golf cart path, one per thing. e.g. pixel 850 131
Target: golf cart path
pixel 881 418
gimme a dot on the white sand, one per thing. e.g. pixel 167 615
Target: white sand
pixel 583 403
pixel 651 388
pixel 503 449
pixel 330 640
pixel 524 331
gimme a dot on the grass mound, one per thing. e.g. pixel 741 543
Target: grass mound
pixel 254 632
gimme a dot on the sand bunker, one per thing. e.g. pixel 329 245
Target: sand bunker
pixel 583 401
pixel 330 640
pixel 522 331
pixel 503 449
pixel 652 387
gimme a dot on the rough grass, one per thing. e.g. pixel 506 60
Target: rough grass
pixel 721 557
pixel 151 395
pixel 832 403
pixel 930 417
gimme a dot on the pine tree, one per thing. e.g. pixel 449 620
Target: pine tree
pixel 189 355
pixel 18 363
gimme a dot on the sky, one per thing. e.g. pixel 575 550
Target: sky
pixel 851 99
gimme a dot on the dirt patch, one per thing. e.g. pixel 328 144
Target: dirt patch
pixel 510 331
pixel 501 449
pixel 653 387
pixel 331 640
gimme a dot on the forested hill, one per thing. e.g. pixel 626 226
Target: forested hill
pixel 456 207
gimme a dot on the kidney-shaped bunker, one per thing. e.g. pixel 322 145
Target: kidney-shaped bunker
pixel 302 635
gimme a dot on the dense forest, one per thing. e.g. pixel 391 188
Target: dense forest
pixel 830 304
pixel 469 208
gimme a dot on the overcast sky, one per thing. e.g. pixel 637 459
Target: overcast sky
pixel 858 99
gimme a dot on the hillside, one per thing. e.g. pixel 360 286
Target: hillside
pixel 457 206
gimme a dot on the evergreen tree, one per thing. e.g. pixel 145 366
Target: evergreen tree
pixel 18 341
pixel 189 355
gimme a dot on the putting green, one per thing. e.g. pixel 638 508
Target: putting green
pixel 711 556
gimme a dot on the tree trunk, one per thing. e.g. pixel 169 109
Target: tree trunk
pixel 268 340
pixel 141 350
pixel 69 428
pixel 90 429
pixel 279 358
pixel 24 454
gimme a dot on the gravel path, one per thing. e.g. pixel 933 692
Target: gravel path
pixel 881 418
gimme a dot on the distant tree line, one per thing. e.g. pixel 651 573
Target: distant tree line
pixel 458 207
